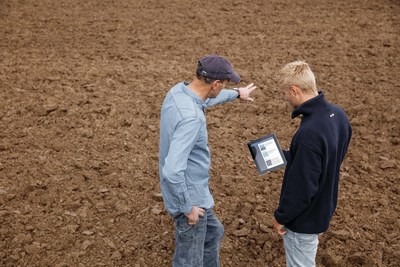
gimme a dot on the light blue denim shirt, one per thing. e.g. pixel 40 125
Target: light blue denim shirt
pixel 184 153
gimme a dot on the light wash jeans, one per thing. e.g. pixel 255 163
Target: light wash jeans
pixel 198 245
pixel 301 249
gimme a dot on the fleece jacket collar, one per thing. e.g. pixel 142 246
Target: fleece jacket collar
pixel 310 106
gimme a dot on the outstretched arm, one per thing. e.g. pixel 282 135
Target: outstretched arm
pixel 243 93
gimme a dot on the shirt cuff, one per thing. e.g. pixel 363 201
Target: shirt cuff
pixel 278 219
pixel 187 209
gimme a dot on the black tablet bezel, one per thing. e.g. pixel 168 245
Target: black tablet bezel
pixel 255 151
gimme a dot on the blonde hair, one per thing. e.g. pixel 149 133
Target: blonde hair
pixel 298 73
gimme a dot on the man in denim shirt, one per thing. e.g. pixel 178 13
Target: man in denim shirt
pixel 185 159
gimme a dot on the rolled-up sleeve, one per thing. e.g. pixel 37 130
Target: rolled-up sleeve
pixel 225 95
pixel 173 172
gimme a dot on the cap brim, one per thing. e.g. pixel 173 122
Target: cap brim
pixel 235 78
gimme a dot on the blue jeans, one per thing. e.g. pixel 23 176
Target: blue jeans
pixel 198 245
pixel 301 249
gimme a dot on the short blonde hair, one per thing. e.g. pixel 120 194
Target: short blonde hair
pixel 298 73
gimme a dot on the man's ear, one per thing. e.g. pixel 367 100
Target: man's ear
pixel 294 90
pixel 214 84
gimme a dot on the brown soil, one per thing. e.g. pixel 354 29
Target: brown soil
pixel 81 85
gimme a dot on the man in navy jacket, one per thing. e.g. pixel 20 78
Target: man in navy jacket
pixel 310 184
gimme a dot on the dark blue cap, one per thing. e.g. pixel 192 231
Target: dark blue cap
pixel 218 68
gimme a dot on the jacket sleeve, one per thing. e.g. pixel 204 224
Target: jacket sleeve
pixel 300 186
pixel 182 143
pixel 286 153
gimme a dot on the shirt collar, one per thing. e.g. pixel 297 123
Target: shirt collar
pixel 190 93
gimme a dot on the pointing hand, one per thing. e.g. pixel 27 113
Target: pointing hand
pixel 245 92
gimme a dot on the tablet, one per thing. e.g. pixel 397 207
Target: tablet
pixel 267 153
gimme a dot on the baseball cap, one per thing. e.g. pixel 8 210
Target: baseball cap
pixel 217 68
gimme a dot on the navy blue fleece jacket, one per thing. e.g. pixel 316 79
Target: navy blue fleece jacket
pixel 310 183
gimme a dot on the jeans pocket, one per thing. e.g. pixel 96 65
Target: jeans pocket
pixel 308 242
pixel 183 227
pixel 188 250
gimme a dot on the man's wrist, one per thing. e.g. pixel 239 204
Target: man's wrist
pixel 187 210
pixel 237 91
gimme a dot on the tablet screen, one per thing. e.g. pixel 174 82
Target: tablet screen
pixel 267 153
